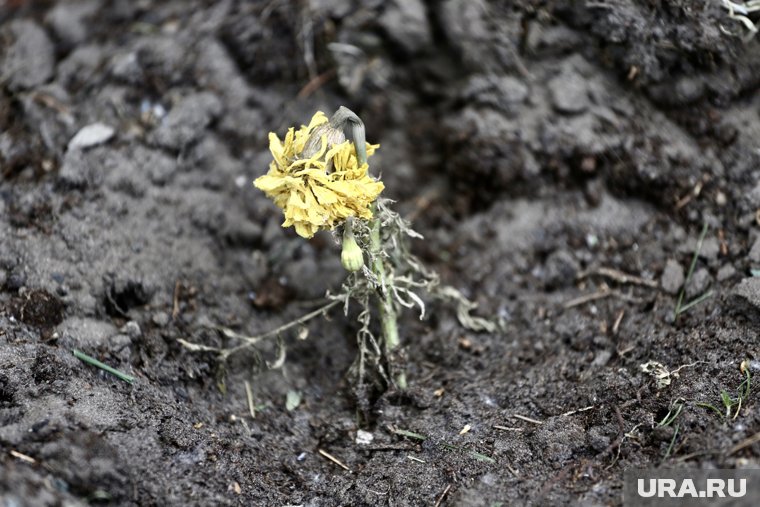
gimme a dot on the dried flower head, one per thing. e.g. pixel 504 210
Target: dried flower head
pixel 316 179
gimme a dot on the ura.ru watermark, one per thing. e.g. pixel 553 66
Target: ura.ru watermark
pixel 690 487
pixel 713 488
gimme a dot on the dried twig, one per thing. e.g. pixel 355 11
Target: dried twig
pixel 587 298
pixel 527 419
pixel 332 458
pixel 506 428
pixel 23 457
pixel 618 320
pixel 747 442
pixel 175 301
pixel 618 276
pixel 573 412
pixel 249 397
pixel 443 495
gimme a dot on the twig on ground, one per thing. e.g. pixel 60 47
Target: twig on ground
pixel 443 495
pixel 694 192
pixel 506 428
pixel 23 457
pixel 587 298
pixel 249 341
pixel 527 419
pixel 316 83
pixel 618 276
pixel 747 442
pixel 573 412
pixel 332 458
pixel 249 397
pixel 175 300
pixel 618 320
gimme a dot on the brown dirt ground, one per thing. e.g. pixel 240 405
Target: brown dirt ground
pixel 536 144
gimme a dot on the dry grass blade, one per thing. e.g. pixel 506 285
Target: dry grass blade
pixel 335 460
pixel 618 276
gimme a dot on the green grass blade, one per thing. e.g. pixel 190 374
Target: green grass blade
pixel 672 443
pixel 94 362
pixel 693 264
pixel 695 302
pixel 482 457
pixel 410 434
pixel 711 407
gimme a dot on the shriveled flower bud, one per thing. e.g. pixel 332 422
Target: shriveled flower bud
pixel 351 256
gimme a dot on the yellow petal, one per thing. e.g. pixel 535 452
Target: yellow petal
pixel 323 195
pixel 318 119
pixel 304 230
pixel 295 200
pixel 276 147
pixel 269 184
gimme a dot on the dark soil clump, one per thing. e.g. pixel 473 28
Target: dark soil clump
pixel 561 159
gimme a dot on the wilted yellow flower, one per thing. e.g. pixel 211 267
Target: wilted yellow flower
pixel 315 178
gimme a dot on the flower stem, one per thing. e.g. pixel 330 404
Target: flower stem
pixel 388 322
pixel 354 128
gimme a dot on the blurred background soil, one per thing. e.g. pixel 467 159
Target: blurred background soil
pixel 560 157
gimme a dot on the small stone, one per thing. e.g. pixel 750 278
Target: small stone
pixel 132 329
pixel 684 91
pixel 602 358
pixel 672 277
pixel 69 20
pixel 548 40
pixel 75 171
pixel 699 283
pixel 501 92
pixel 746 297
pixel 119 344
pixel 754 196
pixel 569 93
pixel 725 272
pixel 406 23
pixel 709 250
pixel 161 319
pixel 126 67
pixel 364 437
pixel 16 280
pixel 91 135
pixel 29 60
pixel 85 333
pixel 187 121
pixel 689 89
pixel 597 439
pixel 560 269
pixel 754 252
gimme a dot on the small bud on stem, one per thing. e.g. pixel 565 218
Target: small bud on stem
pixel 351 256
